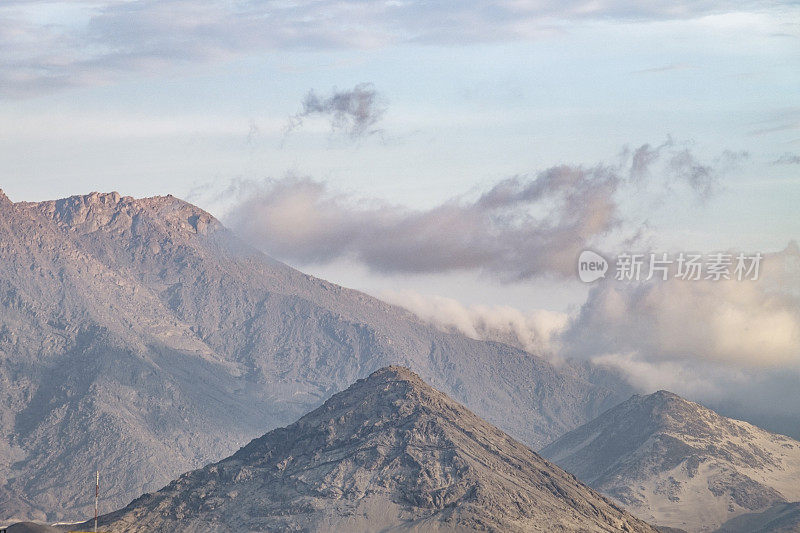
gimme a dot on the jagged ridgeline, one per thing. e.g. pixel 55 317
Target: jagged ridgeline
pixel 141 338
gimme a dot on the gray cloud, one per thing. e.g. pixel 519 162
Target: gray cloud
pixel 682 166
pixel 98 41
pixel 700 177
pixel 355 111
pixel 301 220
pixel 643 157
pixel 522 227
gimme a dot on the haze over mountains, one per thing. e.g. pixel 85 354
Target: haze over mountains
pixel 676 463
pixel 390 453
pixel 141 338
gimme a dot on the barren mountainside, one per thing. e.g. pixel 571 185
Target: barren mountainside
pixel 676 463
pixel 389 453
pixel 141 338
pixel 780 518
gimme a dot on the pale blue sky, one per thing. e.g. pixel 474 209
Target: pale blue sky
pixel 155 97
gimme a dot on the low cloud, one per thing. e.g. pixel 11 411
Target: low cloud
pixel 354 112
pixel 732 345
pixel 745 323
pixel 522 227
pixel 535 332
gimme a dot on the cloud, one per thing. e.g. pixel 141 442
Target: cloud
pixel 85 43
pixel 355 111
pixel 748 324
pixel 665 68
pixel 683 166
pixel 522 227
pixel 535 332
pixel 787 159
pixel 734 346
pixel 300 220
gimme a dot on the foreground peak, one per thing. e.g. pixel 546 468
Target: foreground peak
pixel 388 453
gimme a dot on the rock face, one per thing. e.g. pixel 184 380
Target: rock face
pixel 676 463
pixel 389 453
pixel 142 339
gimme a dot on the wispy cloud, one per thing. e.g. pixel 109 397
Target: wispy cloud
pixel 80 43
pixel 354 112
pixel 665 68
pixel 535 331
pixel 780 120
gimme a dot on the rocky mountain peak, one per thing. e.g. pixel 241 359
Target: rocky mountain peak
pixel 398 373
pixel 663 409
pixel 388 453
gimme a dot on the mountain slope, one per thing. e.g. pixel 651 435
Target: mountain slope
pixel 676 463
pixel 388 453
pixel 143 339
pixel 780 518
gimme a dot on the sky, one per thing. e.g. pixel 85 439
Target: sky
pixel 456 158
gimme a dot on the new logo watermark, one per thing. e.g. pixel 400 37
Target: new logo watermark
pixel 683 266
pixel 591 266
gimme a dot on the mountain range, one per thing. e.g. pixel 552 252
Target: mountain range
pixel 141 338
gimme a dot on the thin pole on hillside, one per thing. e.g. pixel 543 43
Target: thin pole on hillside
pixel 96 497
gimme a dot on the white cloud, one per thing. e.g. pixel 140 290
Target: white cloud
pixel 745 323
pixel 734 346
pixel 536 331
